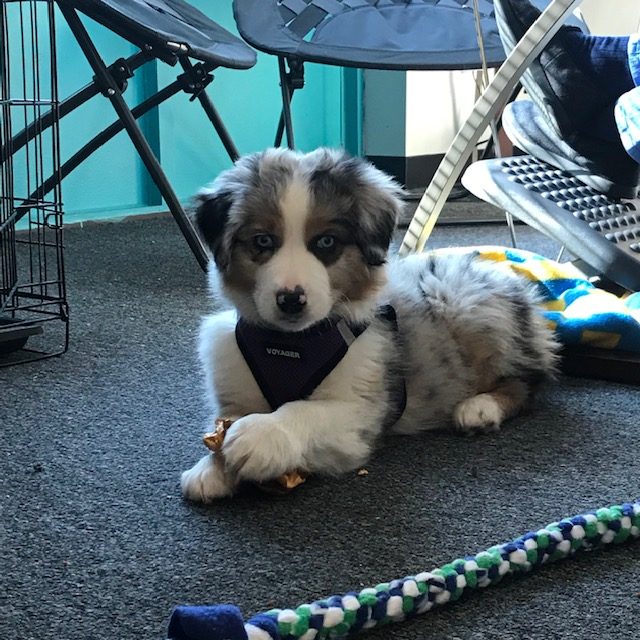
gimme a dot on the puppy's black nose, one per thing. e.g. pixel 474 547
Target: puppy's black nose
pixel 291 302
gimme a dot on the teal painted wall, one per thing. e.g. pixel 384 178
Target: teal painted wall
pixel 113 182
pixel 249 103
pixel 112 179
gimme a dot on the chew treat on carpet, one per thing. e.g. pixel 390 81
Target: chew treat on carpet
pixel 282 484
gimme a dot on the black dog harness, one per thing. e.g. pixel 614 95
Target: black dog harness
pixel 289 365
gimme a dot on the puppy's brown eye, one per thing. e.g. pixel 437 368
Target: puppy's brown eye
pixel 325 243
pixel 264 242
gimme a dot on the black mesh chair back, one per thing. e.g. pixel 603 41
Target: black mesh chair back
pixel 401 35
pixel 379 34
pixel 164 23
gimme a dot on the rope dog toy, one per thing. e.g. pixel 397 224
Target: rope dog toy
pixel 342 615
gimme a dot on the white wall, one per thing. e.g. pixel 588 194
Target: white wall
pixel 438 102
pixel 414 113
pixel 611 17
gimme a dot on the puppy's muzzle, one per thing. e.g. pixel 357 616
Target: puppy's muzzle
pixel 291 302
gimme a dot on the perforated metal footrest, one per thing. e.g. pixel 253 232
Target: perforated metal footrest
pixel 603 233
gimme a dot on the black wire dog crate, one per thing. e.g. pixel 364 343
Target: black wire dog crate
pixel 33 306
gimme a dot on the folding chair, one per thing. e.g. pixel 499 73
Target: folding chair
pixel 602 234
pixel 376 34
pixel 171 31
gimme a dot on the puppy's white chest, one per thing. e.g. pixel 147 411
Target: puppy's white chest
pixel 228 377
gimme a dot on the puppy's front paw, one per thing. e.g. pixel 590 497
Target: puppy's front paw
pixel 206 481
pixel 258 448
pixel 480 414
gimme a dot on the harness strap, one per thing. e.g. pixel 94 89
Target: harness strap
pixel 288 366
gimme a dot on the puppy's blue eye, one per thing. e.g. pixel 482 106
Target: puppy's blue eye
pixel 264 241
pixel 324 243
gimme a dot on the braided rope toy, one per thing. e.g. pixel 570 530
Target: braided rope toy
pixel 342 615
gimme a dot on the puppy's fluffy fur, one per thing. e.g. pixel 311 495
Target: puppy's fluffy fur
pixel 471 344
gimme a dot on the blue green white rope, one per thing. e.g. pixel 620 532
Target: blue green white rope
pixel 342 615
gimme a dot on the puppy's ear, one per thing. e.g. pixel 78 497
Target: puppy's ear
pixel 211 216
pixel 378 203
pixel 375 231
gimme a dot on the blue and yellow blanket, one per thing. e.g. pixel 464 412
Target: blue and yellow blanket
pixel 580 313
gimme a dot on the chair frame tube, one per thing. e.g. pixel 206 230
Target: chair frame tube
pixel 107 82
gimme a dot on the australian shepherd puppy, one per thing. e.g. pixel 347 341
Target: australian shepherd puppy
pixel 328 345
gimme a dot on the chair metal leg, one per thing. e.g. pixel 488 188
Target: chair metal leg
pixel 280 130
pixel 289 82
pixel 103 137
pixel 116 127
pixel 495 137
pixel 94 144
pixel 111 89
pixel 211 111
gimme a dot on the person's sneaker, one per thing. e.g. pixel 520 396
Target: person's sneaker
pixel 553 80
pixel 600 164
pixel 566 100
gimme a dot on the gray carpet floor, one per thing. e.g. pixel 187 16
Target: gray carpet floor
pixel 96 542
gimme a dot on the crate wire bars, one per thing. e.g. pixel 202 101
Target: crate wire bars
pixel 33 305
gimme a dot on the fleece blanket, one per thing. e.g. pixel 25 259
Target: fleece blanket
pixel 579 312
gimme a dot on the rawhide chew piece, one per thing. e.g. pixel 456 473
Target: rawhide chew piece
pixel 213 439
pixel 283 484
pixel 292 479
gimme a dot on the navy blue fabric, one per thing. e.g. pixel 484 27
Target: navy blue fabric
pixel 206 622
pixel 362 617
pixel 451 582
pixel 316 621
pixel 289 365
pixel 605 58
pixel 266 623
pixel 379 609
